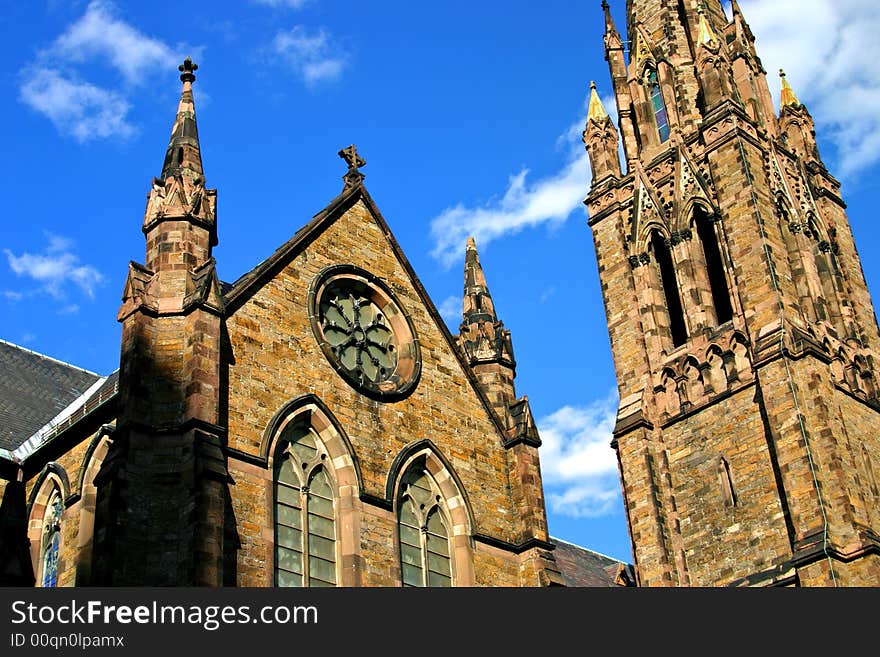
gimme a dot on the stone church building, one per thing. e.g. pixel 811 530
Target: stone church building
pixel 314 423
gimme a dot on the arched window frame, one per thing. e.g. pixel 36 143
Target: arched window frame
pixel 725 482
pixel 657 102
pixel 305 510
pixel 668 281
pixel 423 453
pixel 46 509
pixel 50 539
pixel 716 274
pixel 341 462
pixel 425 553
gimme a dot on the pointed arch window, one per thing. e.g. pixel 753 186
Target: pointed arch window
pixel 714 266
pixel 658 105
pixel 305 512
pixel 670 288
pixel 423 531
pixel 725 481
pixel 51 540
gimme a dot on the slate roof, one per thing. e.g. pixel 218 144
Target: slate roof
pixel 581 567
pixel 33 390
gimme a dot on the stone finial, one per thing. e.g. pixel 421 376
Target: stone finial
pixel 354 161
pixel 187 70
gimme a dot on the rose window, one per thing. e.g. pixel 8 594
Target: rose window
pixel 364 333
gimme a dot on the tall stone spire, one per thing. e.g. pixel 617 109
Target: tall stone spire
pixel 163 485
pixel 183 153
pixel 484 340
pixel 612 36
pixel 478 306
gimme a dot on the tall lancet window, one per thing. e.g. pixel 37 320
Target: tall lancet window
pixel 658 106
pixel 423 531
pixel 714 267
pixel 670 288
pixel 305 518
pixel 51 540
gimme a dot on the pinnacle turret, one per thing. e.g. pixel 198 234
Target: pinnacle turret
pixel 184 153
pixel 787 97
pixel 596 111
pixel 478 306
pixel 612 36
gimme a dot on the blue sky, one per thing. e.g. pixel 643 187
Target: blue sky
pixel 469 115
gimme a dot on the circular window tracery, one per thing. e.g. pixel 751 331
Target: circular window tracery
pixel 364 333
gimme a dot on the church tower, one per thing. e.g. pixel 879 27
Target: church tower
pixel 743 334
pixel 162 491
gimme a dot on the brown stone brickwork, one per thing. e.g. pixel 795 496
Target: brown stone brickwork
pixel 741 326
pixel 180 488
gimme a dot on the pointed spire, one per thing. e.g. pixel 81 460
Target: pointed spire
pixel 610 30
pixel 734 5
pixel 787 97
pixel 184 154
pixel 478 306
pixel 705 34
pixel 609 22
pixel 596 111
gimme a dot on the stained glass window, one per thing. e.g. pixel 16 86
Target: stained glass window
pixel 51 540
pixel 659 106
pixel 422 529
pixel 305 518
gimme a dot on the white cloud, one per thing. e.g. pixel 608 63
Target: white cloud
pixel 450 310
pixel 309 54
pixel 57 85
pixel 56 269
pixel 286 4
pixel 99 34
pixel 78 109
pixel 827 48
pixel 523 205
pixel 578 466
pixel 547 293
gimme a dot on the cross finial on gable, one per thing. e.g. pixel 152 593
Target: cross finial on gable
pixel 353 176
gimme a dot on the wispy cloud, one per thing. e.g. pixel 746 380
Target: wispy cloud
pixel 282 4
pixel 78 109
pixel 55 270
pixel 57 84
pixel 578 466
pixel 309 54
pixel 100 34
pixel 547 293
pixel 450 310
pixel 524 204
pixel 827 48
